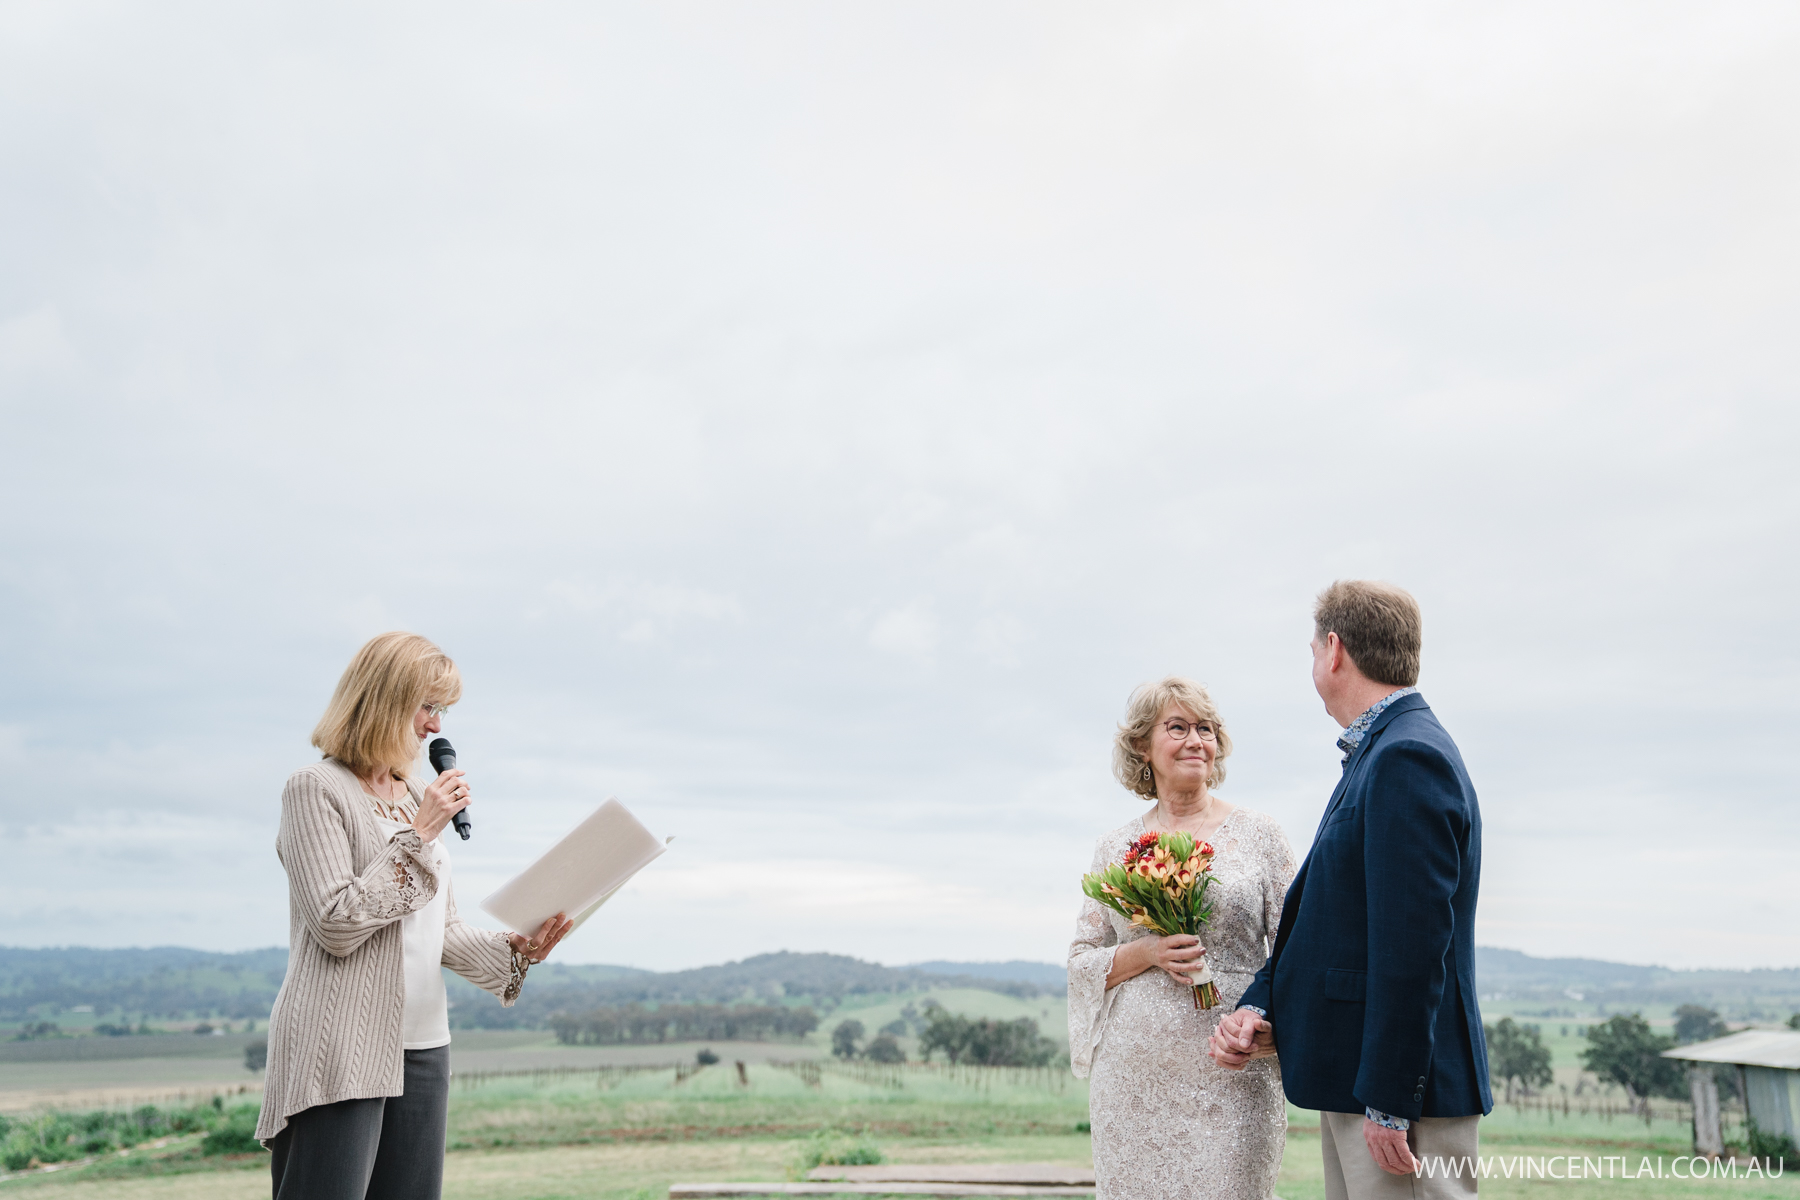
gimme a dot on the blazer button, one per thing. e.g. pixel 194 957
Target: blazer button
pixel 1421 1081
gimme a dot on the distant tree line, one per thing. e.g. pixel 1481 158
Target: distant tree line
pixel 633 1024
pixel 1624 1050
pixel 1752 995
pixel 124 987
pixel 165 982
pixel 827 977
pixel 985 1042
pixel 823 979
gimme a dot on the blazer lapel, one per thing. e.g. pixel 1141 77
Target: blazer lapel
pixel 1403 704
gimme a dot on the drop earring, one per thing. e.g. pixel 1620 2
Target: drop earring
pixel 1145 774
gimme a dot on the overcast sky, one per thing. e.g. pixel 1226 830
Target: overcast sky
pixel 808 422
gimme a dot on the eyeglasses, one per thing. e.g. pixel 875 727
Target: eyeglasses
pixel 1179 730
pixel 435 710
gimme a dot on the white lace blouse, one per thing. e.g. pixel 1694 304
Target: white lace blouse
pixel 425 1021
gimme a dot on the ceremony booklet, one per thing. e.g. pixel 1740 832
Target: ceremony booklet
pixel 579 873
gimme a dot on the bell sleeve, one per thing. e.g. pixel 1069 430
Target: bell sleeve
pixel 1090 961
pixel 1278 873
pixel 481 956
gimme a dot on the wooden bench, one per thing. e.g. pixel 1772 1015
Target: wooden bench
pixel 906 1179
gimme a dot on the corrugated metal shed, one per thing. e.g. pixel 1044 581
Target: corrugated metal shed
pixel 1751 1048
pixel 1770 1062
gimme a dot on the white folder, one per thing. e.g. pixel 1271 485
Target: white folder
pixel 579 873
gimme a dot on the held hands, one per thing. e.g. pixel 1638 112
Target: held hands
pixel 446 796
pixel 538 946
pixel 1240 1037
pixel 1389 1148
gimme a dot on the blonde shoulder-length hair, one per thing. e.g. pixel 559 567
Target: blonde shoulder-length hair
pixel 369 722
pixel 1132 743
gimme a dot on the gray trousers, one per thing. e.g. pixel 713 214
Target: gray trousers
pixel 387 1148
pixel 1350 1174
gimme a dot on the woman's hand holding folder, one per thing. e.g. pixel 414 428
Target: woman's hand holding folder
pixel 538 946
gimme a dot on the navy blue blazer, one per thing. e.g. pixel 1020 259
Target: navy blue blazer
pixel 1370 985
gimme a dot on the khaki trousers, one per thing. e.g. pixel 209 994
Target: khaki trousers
pixel 1350 1174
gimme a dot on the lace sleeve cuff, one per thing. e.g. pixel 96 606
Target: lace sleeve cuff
pixel 516 978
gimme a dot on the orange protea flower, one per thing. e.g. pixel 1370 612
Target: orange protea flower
pixel 1161 887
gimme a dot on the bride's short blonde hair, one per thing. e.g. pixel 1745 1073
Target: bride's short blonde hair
pixel 369 722
pixel 1131 746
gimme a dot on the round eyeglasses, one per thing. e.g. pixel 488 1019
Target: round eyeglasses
pixel 1179 730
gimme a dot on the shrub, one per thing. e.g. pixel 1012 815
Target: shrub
pixel 884 1049
pixel 256 1055
pixel 237 1135
pixel 1775 1149
pixel 832 1147
pixel 59 1137
pixel 706 1058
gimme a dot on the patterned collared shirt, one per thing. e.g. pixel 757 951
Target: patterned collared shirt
pixel 1352 737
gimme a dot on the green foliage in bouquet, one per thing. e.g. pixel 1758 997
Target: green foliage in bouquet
pixel 1162 886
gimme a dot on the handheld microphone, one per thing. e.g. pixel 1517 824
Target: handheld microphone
pixel 443 757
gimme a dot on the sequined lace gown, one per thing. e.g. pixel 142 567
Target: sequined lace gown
pixel 1168 1122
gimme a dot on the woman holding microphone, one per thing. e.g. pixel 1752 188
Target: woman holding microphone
pixel 358 1081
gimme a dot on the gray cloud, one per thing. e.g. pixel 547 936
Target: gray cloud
pixel 809 423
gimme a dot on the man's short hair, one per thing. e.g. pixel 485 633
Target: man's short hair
pixel 1379 626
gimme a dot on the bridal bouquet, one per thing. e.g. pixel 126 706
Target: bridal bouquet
pixel 1162 886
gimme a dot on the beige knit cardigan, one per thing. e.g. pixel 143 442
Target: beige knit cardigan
pixel 334 1033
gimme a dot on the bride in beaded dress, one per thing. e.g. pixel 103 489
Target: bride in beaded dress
pixel 1168 1122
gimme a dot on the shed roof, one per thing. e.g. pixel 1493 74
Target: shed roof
pixel 1751 1048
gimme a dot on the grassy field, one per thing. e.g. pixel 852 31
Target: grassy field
pixel 72 1072
pixel 534 1120
pixel 625 1133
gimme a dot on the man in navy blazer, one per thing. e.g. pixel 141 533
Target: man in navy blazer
pixel 1368 994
